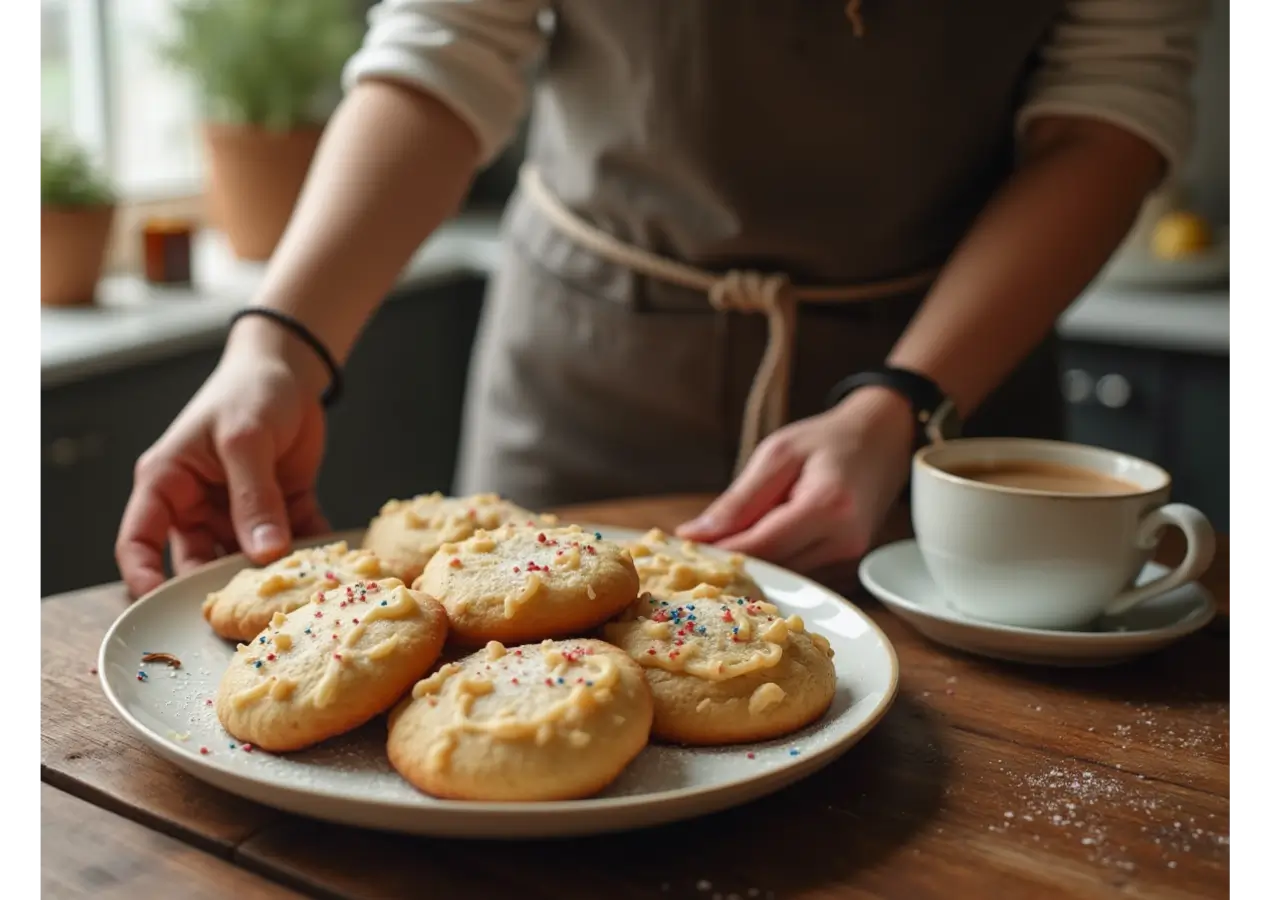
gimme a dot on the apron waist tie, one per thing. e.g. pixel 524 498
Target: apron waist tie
pixel 737 290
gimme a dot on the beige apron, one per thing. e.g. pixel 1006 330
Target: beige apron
pixel 779 147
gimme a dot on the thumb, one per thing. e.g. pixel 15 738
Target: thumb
pixel 257 507
pixel 766 480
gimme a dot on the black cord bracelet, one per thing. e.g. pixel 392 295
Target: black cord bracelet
pixel 335 382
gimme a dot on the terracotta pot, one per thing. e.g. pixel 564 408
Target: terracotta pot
pixel 72 252
pixel 254 179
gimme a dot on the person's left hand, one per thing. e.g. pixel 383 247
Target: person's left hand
pixel 815 492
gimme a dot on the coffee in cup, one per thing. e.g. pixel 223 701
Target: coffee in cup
pixel 1046 534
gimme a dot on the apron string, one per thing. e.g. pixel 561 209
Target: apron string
pixel 737 290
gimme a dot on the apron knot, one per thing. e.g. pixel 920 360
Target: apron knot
pixel 747 291
pixel 773 295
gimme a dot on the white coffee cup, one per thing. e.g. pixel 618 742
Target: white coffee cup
pixel 1054 551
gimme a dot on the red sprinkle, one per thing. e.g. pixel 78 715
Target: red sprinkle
pixel 541 537
pixel 356 621
pixel 336 656
pixel 651 651
pixel 207 703
pixel 678 642
pixel 517 570
pixel 329 576
pixel 373 586
pixel 454 562
pixel 752 756
pixel 514 680
pixel 592 552
pixel 549 681
pixel 247 748
pixel 517 653
pixel 93 671
pixel 270 657
pixel 203 750
pixel 318 614
pixel 334 637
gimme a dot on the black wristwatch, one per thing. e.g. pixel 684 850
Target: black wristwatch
pixel 936 416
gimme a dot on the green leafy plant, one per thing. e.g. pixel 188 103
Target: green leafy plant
pixel 274 64
pixel 68 177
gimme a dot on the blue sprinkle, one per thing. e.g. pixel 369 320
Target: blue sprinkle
pixel 307 631
pixel 740 601
pixel 142 675
pixel 261 640
pixel 257 664
pixel 735 630
pixel 794 752
pixel 598 535
pixel 692 618
pixel 559 680
pixel 703 630
pixel 385 603
pixel 663 603
pixel 588 684
pixel 690 606
pixel 232 746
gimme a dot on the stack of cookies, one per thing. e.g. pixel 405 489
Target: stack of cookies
pixel 568 652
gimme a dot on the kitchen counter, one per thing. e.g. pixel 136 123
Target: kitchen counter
pixel 135 323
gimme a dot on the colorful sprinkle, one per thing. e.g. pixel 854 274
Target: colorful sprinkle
pixel 541 537
pixel 318 614
pixel 307 631
pixel 356 621
pixel 336 656
pixel 270 657
pixel 560 681
pixel 207 703
pixel 752 755
pixel 598 535
pixel 517 570
pixel 261 640
pixel 203 750
pixel 247 748
pixel 454 562
pixel 691 607
pixel 514 680
pixel 588 684
pixel 385 603
pixel 257 664
pixel 794 752
pixel 549 681
pixel 651 651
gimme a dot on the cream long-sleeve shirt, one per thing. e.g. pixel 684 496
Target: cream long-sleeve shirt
pixel 1128 62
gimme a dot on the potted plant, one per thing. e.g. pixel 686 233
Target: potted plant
pixel 269 75
pixel 77 206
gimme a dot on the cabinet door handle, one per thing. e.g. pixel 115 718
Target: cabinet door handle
pixel 1113 391
pixel 1077 385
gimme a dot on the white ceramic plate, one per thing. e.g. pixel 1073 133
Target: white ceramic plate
pixel 349 780
pixel 896 575
pixel 1135 268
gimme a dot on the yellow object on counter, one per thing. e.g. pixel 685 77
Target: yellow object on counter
pixel 1180 234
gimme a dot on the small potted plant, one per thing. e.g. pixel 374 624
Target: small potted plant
pixel 269 75
pixel 77 206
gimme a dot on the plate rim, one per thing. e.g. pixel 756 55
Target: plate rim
pixel 469 809
pixel 1188 625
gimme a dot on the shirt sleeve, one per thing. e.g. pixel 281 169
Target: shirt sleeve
pixel 1127 62
pixel 473 55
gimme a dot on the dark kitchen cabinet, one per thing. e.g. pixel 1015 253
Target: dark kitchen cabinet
pixel 1169 407
pixel 393 434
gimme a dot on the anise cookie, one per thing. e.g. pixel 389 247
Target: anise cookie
pixel 250 599
pixel 725 669
pixel 520 583
pixel 407 533
pixel 557 720
pixel 667 565
pixel 331 665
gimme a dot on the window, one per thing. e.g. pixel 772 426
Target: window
pixel 103 83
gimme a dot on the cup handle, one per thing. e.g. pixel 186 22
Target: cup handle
pixel 1200 546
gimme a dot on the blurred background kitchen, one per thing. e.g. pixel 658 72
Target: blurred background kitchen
pixel 176 137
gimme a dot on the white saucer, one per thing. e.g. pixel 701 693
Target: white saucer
pixel 896 575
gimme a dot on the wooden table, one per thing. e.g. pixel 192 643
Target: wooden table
pixel 984 781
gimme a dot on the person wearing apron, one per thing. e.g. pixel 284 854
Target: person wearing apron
pixel 726 208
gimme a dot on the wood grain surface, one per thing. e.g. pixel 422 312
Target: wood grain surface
pixel 87 851
pixel 983 780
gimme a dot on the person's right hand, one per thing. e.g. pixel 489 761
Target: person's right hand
pixel 235 470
